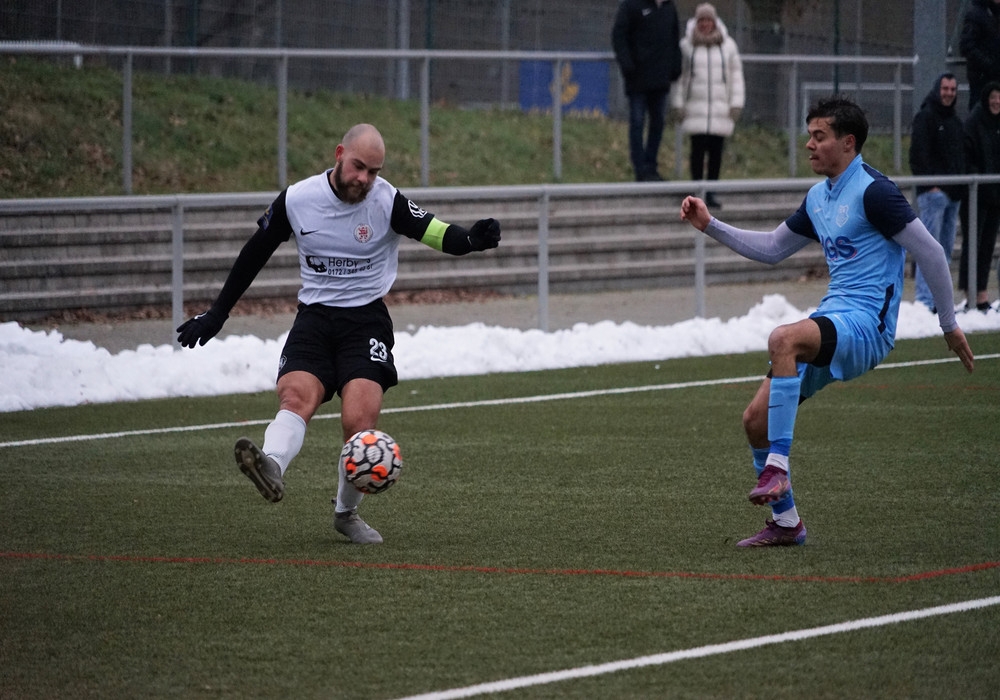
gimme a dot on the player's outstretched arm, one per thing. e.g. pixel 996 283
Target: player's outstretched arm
pixel 958 344
pixel 252 258
pixel 410 220
pixel 768 247
pixel 931 260
pixel 456 240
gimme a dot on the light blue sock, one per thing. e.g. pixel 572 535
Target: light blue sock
pixel 759 458
pixel 782 407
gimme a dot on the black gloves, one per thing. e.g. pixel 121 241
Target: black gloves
pixel 201 328
pixel 484 234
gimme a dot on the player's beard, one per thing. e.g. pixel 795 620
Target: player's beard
pixel 349 193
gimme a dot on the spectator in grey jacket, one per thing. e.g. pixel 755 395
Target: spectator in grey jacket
pixel 646 41
pixel 937 148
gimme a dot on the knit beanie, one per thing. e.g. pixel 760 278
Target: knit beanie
pixel 705 9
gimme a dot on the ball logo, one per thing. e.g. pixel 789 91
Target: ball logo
pixel 363 233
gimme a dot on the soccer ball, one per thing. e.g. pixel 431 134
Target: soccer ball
pixel 372 461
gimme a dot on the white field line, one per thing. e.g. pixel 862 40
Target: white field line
pixel 447 406
pixel 700 652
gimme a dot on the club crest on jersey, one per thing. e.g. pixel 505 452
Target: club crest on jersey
pixel 842 215
pixel 415 211
pixel 362 233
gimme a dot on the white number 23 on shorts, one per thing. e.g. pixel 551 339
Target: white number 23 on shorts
pixel 377 350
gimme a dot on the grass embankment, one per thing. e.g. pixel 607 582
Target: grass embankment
pixel 61 135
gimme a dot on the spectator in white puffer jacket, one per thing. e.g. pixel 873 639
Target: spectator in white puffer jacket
pixel 710 93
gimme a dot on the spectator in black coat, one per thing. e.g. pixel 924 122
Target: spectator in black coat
pixel 646 41
pixel 982 151
pixel 937 148
pixel 980 45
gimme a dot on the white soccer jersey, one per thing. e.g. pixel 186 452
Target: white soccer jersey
pixel 348 253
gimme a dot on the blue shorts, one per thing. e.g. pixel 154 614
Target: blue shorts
pixel 338 344
pixel 858 346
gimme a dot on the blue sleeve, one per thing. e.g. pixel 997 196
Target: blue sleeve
pixel 800 223
pixel 886 207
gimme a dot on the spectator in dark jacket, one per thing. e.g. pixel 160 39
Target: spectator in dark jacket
pixel 646 41
pixel 937 148
pixel 982 151
pixel 980 45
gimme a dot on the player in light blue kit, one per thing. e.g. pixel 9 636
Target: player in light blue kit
pixel 865 226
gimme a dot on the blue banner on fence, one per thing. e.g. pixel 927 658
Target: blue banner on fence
pixel 583 86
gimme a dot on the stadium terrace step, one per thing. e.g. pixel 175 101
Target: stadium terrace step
pixel 110 261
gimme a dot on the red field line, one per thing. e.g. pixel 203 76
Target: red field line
pixel 252 561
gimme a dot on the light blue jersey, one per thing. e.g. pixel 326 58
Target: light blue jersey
pixel 854 218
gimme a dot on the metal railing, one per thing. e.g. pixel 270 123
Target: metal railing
pixel 281 57
pixel 542 195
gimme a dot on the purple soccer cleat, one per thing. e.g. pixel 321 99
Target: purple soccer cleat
pixel 774 535
pixel 771 486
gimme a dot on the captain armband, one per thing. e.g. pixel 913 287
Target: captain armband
pixel 434 235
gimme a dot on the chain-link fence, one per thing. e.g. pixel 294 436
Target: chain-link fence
pixel 807 27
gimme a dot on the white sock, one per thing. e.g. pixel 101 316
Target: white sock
pixel 790 518
pixel 348 497
pixel 283 438
pixel 779 461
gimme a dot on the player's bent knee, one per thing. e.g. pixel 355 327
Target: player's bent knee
pixel 781 341
pixel 301 393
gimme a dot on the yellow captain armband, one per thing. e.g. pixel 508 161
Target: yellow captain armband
pixel 434 235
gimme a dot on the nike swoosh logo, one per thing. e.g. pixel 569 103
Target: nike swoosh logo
pixel 306 233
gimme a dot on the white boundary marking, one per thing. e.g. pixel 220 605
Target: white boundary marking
pixel 700 652
pixel 446 406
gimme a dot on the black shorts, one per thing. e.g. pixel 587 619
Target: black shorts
pixel 338 344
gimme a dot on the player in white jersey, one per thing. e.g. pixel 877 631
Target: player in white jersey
pixel 347 224
pixel 865 226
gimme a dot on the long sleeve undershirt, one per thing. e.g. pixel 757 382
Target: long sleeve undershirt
pixel 772 247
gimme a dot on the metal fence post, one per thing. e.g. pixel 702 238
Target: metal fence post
pixel 425 122
pixel 543 261
pixel 556 90
pixel 283 121
pixel 793 81
pixel 127 124
pixel 972 245
pixel 177 270
pixel 699 264
pixel 897 121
